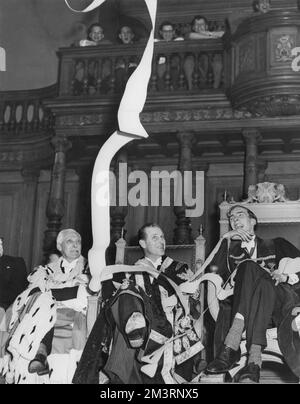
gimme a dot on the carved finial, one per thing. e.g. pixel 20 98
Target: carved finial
pixel 225 195
pixel 122 232
pixel 201 230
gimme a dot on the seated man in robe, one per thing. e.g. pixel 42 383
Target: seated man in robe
pixel 262 295
pixel 154 337
pixel 59 285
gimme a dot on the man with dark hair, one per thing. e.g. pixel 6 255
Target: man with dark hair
pixel 154 338
pixel 261 6
pixel 199 29
pixel 167 34
pixel 262 293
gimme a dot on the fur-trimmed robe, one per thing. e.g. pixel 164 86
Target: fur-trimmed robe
pixel 159 360
pixel 34 313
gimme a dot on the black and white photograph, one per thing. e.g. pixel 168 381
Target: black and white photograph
pixel 149 194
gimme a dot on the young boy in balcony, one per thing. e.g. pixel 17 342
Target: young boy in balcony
pixel 95 36
pixel 167 33
pixel 123 71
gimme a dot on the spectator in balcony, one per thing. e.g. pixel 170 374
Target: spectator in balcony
pixel 95 36
pixel 261 6
pixel 125 69
pixel 167 33
pixel 200 30
pixel 126 35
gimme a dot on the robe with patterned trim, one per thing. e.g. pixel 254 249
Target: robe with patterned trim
pixel 161 359
pixel 269 254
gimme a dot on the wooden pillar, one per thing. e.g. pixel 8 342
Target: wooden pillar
pixel 182 232
pixel 83 215
pixel 262 167
pixel 31 177
pixel 55 208
pixel 252 138
pixel 119 213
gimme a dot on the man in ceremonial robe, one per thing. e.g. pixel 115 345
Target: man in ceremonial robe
pixel 262 295
pixel 154 337
pixel 55 291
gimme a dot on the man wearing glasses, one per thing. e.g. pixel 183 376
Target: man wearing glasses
pixel 262 295
pixel 167 33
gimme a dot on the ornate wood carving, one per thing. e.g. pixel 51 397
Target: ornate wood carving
pixel 81 74
pixel 251 138
pixel 55 207
pixel 28 207
pixel 262 80
pixel 182 232
pixel 118 213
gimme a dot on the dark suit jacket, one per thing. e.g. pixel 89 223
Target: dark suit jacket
pixel 13 279
pixel 274 250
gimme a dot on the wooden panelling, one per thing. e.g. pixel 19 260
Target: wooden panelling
pixel 69 220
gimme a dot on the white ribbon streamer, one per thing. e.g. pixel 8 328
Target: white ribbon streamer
pixel 131 106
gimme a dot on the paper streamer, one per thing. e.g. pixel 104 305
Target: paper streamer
pixel 131 106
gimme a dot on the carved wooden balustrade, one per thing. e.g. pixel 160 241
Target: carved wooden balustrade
pixel 188 66
pixel 22 112
pixel 262 80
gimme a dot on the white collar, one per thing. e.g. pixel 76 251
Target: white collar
pixel 68 266
pixel 249 244
pixel 155 263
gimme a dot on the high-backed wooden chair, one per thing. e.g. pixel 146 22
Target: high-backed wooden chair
pixel 276 216
pixel 191 254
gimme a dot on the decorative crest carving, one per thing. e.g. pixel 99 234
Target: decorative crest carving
pixel 266 192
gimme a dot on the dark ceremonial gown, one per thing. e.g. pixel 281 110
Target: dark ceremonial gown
pixel 13 279
pixel 108 348
pixel 262 303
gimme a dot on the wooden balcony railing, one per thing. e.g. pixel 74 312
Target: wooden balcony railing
pixel 178 66
pixel 189 67
pixel 22 112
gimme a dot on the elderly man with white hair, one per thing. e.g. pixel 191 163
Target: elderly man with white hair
pixel 60 285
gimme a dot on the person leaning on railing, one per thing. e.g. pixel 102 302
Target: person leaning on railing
pixel 199 30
